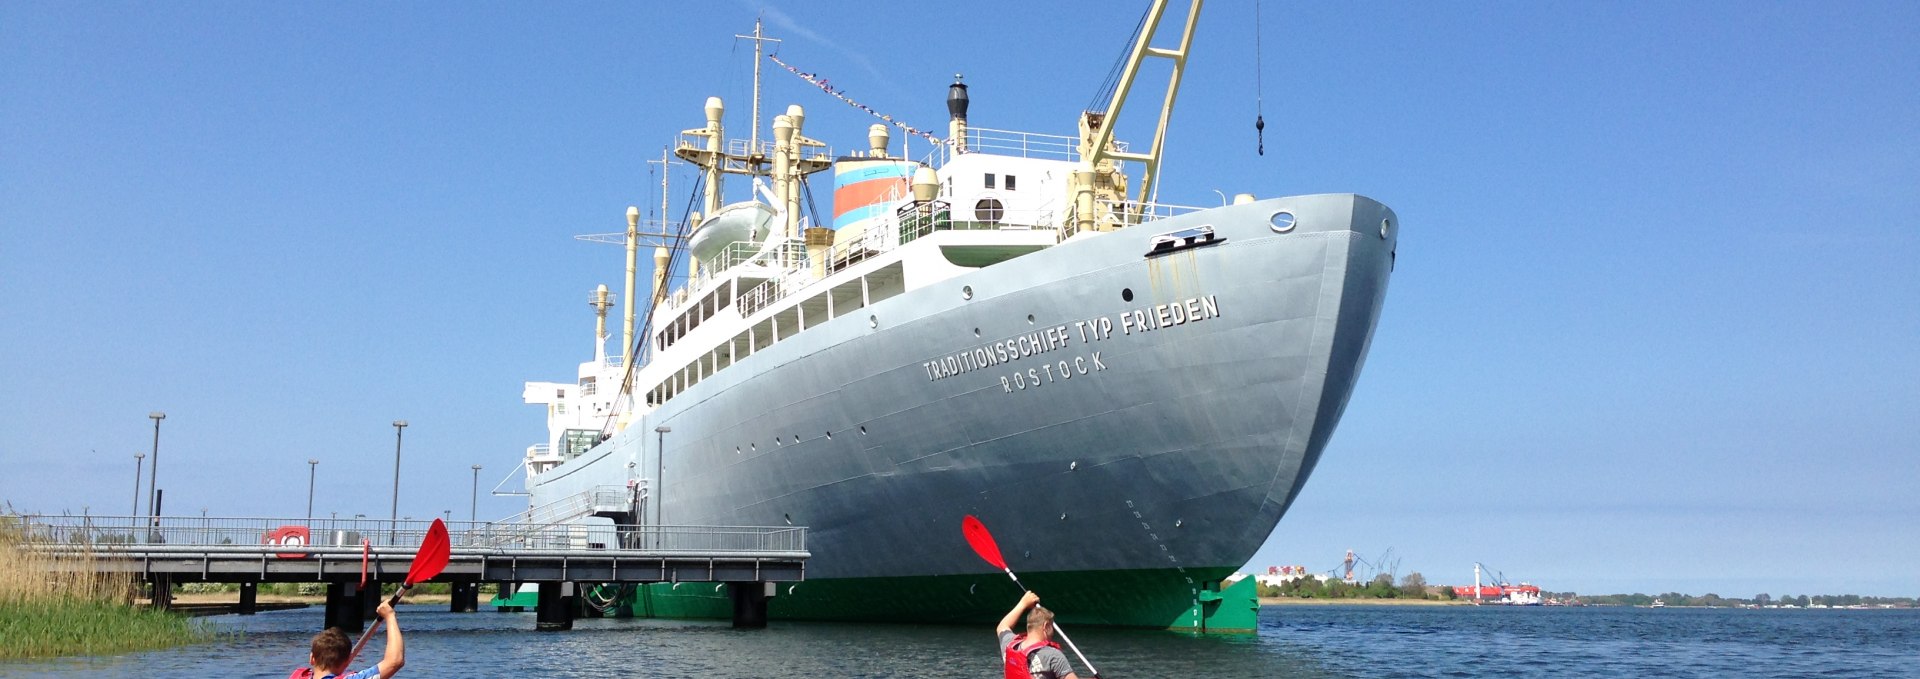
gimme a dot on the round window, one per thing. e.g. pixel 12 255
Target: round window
pixel 988 210
pixel 1282 221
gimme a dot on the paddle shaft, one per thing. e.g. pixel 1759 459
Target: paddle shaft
pixel 365 636
pixel 1056 629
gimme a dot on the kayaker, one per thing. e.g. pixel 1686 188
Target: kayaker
pixel 331 648
pixel 1032 654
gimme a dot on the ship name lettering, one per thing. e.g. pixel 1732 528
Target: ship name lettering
pixel 1052 338
pixel 1048 373
pixel 1167 315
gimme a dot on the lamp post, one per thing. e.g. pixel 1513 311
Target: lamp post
pixel 312 463
pixel 138 458
pixel 153 476
pixel 393 518
pixel 659 476
pixel 473 502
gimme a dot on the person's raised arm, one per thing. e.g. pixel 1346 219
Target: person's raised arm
pixel 1026 601
pixel 396 655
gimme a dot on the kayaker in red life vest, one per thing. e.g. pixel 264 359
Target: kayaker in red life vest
pixel 330 650
pixel 1032 654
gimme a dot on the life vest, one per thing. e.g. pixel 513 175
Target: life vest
pixel 1018 659
pixel 302 673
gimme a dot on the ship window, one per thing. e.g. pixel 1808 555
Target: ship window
pixel 559 408
pixel 1009 182
pixel 989 183
pixel 988 210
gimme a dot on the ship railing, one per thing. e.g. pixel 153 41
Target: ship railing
pixel 920 218
pixel 601 498
pixel 1014 143
pixel 741 149
pixel 1109 215
pixel 791 254
pixel 128 536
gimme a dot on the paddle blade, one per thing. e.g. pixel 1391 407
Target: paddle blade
pixel 433 555
pixel 982 541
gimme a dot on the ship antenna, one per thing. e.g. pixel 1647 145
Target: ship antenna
pixel 753 138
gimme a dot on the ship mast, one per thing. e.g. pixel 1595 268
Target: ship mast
pixel 753 138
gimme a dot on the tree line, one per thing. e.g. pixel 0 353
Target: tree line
pixel 1717 601
pixel 1413 586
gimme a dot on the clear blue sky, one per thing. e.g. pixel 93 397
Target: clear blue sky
pixel 1657 325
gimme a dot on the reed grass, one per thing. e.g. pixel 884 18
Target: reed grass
pixel 51 612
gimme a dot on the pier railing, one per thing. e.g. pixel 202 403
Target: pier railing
pixel 108 536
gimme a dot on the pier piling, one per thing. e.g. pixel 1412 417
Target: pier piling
pixel 249 599
pixel 750 603
pixel 554 612
pixel 465 597
pixel 344 607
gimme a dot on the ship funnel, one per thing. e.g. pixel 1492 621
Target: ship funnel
pixel 714 109
pixel 926 184
pixel 877 140
pixel 957 99
pixel 957 108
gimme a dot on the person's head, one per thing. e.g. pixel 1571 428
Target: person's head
pixel 330 649
pixel 1039 623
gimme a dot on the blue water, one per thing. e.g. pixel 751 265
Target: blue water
pixel 1293 641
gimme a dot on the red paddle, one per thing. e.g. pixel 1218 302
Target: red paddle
pixel 989 551
pixel 428 562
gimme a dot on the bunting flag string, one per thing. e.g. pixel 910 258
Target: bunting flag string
pixel 829 89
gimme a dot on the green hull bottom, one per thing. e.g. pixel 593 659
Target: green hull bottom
pixel 516 601
pixel 1158 598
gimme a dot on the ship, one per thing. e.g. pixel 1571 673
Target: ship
pixel 1011 326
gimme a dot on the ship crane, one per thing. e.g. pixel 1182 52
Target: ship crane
pixel 1097 186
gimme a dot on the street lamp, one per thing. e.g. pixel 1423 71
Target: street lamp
pixel 312 463
pixel 137 459
pixel 473 503
pixel 393 518
pixel 660 476
pixel 153 477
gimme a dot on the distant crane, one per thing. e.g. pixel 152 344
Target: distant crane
pixel 1385 563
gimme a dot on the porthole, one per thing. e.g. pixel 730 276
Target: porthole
pixel 988 210
pixel 1282 221
pixel 829 436
pixel 873 321
pixel 789 519
pixel 863 430
pixel 1126 294
pixel 777 442
pixel 736 450
pixel 1385 225
pixel 796 439
pixel 1029 319
pixel 966 292
pixel 753 447
pixel 976 332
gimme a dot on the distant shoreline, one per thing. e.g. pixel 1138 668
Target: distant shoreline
pixel 1297 601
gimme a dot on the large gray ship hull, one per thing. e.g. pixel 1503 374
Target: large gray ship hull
pixel 1118 420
